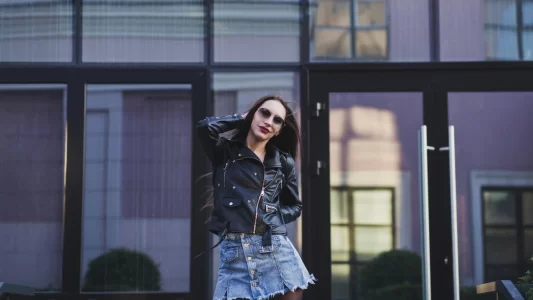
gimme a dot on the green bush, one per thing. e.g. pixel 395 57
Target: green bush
pixel 403 291
pixel 400 269
pixel 529 294
pixel 122 270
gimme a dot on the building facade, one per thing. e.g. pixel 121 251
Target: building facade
pixel 98 101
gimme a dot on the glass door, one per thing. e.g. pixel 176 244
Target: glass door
pixel 492 180
pixel 367 217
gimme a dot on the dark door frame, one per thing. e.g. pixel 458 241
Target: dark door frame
pixel 434 80
pixel 76 78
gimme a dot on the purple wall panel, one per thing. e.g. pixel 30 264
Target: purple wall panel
pixel 156 135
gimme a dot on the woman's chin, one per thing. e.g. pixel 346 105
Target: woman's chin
pixel 260 136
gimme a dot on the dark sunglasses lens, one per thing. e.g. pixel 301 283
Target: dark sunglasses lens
pixel 265 112
pixel 278 120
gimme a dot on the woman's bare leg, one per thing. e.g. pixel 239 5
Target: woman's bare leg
pixel 296 295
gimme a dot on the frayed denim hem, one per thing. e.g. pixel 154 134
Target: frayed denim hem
pixel 311 280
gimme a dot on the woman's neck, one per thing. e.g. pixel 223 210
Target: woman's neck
pixel 259 147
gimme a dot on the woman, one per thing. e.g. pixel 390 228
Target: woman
pixel 255 194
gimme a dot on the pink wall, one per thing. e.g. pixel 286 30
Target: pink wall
pixel 156 155
pixel 492 133
pixel 31 187
pixel 374 137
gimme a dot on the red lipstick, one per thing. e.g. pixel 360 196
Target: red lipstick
pixel 264 130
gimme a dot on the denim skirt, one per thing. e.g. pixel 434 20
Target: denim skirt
pixel 250 271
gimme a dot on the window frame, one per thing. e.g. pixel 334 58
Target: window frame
pixel 519 227
pixel 352 29
pixel 352 225
pixel 519 28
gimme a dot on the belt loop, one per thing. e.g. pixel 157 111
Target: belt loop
pixel 267 237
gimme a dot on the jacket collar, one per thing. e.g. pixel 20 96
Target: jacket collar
pixel 272 157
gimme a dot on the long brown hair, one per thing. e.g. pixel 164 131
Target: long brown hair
pixel 288 140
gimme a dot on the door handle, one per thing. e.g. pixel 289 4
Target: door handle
pixel 315 112
pixel 318 167
pixel 453 203
pixel 423 149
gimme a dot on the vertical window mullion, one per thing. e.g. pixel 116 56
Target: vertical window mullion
pixel 520 28
pixel 520 249
pixel 353 26
pixel 351 239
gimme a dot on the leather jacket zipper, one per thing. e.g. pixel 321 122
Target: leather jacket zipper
pixel 225 167
pixel 261 195
pixel 262 185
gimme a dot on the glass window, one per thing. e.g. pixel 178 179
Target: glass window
pixel 500 245
pixel 137 191
pixel 350 30
pixel 32 151
pixel 374 201
pixel 499 207
pixel 143 31
pixel 256 31
pixel 492 162
pixel 234 92
pixel 527 209
pixel 366 231
pixel 507 234
pixel 486 30
pixel 369 30
pixel 36 31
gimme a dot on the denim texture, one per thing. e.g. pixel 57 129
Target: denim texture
pixel 250 271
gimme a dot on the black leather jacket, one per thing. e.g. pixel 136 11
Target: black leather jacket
pixel 250 196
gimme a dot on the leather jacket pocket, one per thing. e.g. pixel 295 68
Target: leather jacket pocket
pixel 231 202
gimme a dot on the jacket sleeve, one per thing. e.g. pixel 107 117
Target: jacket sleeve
pixel 208 131
pixel 290 203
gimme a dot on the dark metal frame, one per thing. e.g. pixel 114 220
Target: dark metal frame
pixel 519 227
pixel 435 81
pixel 76 79
pixel 316 80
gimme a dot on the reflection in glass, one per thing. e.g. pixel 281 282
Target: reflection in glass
pixel 499 207
pixel 340 208
pixel 371 13
pixel 340 277
pixel 502 246
pixel 256 31
pixel 371 241
pixel 143 31
pixel 36 31
pixel 485 30
pixel 528 243
pixel 373 207
pixel 340 247
pixel 371 43
pixel 350 29
pixel 374 202
pixel 137 190
pixel 493 173
pixel 32 143
pixel 527 208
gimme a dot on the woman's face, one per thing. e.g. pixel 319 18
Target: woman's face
pixel 268 120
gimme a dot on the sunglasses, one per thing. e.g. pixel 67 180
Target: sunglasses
pixel 267 113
